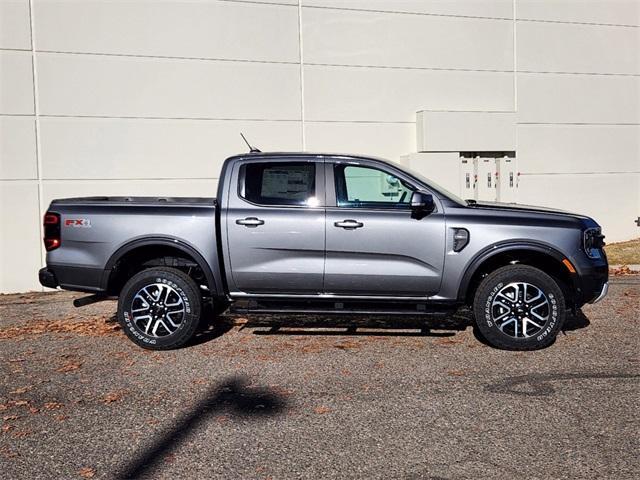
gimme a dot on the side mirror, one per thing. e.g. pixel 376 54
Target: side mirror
pixel 422 204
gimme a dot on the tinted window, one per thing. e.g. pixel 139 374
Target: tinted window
pixel 368 187
pixel 285 183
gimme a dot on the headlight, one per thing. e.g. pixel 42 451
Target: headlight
pixel 593 242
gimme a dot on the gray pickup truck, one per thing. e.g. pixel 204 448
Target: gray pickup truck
pixel 326 234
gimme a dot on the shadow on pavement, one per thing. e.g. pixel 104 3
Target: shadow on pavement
pixel 572 322
pixel 540 385
pixel 575 322
pixel 233 397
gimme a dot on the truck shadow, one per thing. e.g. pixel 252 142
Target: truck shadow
pixel 234 397
pixel 361 325
pixel 357 325
pixel 572 322
pixel 376 325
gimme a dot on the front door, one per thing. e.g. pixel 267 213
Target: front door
pixel 374 246
pixel 275 227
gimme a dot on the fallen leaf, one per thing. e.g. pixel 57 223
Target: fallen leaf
pixel 113 397
pixel 87 472
pixel 322 410
pixel 21 390
pixel 69 367
pixel 53 405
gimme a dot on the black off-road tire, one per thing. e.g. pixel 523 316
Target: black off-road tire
pixel 182 285
pixel 490 287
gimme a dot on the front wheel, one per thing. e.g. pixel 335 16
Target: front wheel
pixel 159 308
pixel 519 307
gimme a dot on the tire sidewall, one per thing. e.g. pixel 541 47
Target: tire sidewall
pixel 490 288
pixel 183 285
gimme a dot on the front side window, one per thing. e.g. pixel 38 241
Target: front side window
pixel 282 183
pixel 367 187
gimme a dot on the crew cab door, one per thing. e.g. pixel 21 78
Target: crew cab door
pixel 374 246
pixel 274 224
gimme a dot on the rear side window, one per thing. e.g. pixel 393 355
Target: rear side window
pixel 282 183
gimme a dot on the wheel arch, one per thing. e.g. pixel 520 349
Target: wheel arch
pixel 159 243
pixel 536 254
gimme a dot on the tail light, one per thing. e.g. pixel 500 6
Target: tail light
pixel 51 231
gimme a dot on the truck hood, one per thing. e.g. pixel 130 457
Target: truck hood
pixel 515 207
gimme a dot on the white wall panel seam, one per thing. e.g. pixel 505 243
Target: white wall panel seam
pixel 578 123
pixel 595 24
pixel 281 4
pixel 400 12
pixel 168 57
pixel 532 174
pixel 302 64
pixel 7 49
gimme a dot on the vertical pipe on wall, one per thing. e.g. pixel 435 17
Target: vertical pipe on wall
pixel 36 107
pixel 304 146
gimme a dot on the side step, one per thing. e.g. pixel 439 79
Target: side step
pixel 348 307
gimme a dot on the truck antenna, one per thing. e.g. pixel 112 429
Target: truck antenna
pixel 251 149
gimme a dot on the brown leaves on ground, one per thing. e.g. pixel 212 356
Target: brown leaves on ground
pixel 112 397
pixel 98 326
pixel 53 406
pixel 21 390
pixel 87 472
pixel 623 270
pixel 447 342
pixel 322 410
pixel 69 367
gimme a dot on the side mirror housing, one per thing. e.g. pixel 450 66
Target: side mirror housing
pixel 422 204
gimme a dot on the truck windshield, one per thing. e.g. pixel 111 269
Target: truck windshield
pixel 432 185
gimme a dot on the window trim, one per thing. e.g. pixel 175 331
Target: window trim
pixel 319 181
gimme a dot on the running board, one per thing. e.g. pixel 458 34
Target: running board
pixel 349 307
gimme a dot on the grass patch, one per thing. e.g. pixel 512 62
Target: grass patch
pixel 624 253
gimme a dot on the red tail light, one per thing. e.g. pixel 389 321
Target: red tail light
pixel 51 231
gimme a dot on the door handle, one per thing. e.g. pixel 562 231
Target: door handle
pixel 349 224
pixel 250 222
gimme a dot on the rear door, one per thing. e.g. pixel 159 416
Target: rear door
pixel 374 246
pixel 275 226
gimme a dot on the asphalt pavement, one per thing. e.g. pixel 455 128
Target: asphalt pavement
pixel 317 397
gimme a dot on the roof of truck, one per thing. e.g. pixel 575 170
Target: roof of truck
pixel 305 154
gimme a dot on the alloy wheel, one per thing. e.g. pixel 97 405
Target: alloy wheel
pixel 520 310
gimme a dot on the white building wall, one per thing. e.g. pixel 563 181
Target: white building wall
pixel 148 97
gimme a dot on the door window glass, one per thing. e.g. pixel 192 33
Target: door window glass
pixel 367 187
pixel 282 183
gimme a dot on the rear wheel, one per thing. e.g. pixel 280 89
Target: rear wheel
pixel 159 308
pixel 519 307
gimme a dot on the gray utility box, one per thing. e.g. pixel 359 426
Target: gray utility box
pixel 471 154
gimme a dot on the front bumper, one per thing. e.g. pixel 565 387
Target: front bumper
pixel 603 293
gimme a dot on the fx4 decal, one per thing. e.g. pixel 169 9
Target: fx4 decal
pixel 77 222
